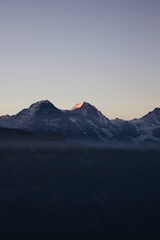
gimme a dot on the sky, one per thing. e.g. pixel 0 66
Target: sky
pixel 105 52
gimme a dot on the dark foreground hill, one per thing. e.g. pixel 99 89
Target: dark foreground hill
pixel 80 194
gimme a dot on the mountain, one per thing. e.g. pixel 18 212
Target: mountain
pixel 149 126
pixel 153 117
pixel 85 123
pixel 41 117
pixel 90 121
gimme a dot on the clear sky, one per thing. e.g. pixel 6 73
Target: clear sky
pixel 105 52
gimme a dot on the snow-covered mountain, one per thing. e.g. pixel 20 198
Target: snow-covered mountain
pixel 85 122
pixel 90 121
pixel 41 117
pixel 148 126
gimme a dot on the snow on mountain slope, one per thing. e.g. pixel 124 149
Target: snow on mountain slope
pixel 148 125
pixel 91 121
pixel 87 110
pixel 24 118
pixel 152 118
pixel 42 116
pixel 85 122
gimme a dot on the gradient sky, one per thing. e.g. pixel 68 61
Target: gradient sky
pixel 106 52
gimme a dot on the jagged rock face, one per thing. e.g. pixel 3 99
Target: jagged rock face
pixel 43 107
pixel 152 117
pixel 91 121
pixel 84 122
pixel 148 126
pixel 88 111
pixel 41 117
pixel 156 132
pixel 126 130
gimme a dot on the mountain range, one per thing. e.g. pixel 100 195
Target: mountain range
pixel 85 123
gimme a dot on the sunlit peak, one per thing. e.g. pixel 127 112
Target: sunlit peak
pixel 78 105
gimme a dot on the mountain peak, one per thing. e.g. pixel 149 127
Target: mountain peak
pixel 42 105
pixel 83 105
pixel 153 113
pixel 152 117
pixel 39 103
pixel 156 110
pixel 78 105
